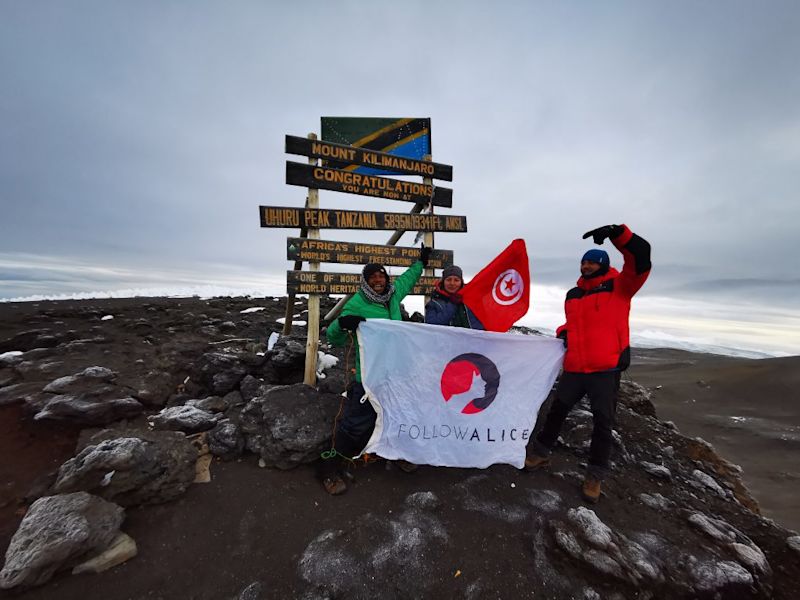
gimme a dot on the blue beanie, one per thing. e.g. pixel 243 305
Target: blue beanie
pixel 598 256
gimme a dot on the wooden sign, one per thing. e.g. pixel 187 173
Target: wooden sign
pixel 323 178
pixel 319 218
pixel 360 254
pixel 340 155
pixel 318 282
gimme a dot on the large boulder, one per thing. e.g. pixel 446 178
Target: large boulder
pixel 98 407
pixel 143 467
pixel 55 532
pixel 226 440
pixel 221 372
pixel 289 425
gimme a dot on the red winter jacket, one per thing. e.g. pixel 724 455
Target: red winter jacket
pixel 597 311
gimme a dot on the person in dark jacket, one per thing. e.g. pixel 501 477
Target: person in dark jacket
pixel 377 298
pixel 446 306
pixel 596 336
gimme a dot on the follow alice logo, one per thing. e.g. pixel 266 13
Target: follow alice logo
pixel 459 374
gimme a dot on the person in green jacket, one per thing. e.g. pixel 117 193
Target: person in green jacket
pixel 377 298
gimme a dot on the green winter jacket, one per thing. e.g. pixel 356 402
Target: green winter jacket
pixel 361 306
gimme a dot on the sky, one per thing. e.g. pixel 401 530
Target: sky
pixel 137 140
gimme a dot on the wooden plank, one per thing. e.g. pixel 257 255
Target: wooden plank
pixel 356 253
pixel 297 218
pixel 324 178
pixel 344 154
pixel 308 282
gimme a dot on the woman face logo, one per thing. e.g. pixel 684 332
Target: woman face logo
pixel 458 377
pixel 508 287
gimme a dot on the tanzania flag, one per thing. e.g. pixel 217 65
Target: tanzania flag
pixel 410 138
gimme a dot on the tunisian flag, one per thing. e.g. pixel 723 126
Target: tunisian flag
pixel 499 295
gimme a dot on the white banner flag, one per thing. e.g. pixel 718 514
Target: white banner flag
pixel 454 397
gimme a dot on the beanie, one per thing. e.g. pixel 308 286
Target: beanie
pixel 372 268
pixel 598 256
pixel 452 271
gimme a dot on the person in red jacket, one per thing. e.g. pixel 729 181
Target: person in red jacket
pixel 596 337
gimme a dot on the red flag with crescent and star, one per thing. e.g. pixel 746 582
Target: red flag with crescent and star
pixel 499 295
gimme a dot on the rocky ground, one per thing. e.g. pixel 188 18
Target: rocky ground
pixel 111 410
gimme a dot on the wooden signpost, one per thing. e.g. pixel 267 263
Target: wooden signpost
pixel 348 169
pixel 310 282
pixel 346 157
pixel 298 218
pixel 354 253
pixel 324 178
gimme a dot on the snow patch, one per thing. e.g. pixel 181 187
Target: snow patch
pixel 252 309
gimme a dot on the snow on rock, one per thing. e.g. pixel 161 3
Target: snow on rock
pixel 476 496
pixel 253 309
pixel 69 382
pixel 282 321
pixel 656 501
pixel 423 500
pixel 184 418
pixel 710 576
pixel 106 317
pixel 273 337
pixel 715 528
pixel 375 554
pixel 794 543
pixel 10 354
pixel 751 557
pixel 545 500
pixel 326 361
pixel 658 471
pixel 709 482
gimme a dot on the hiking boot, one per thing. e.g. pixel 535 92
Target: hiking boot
pixel 334 485
pixel 405 466
pixel 591 489
pixel 534 462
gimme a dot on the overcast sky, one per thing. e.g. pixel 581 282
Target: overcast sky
pixel 137 140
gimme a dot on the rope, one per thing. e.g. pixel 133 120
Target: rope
pixel 333 453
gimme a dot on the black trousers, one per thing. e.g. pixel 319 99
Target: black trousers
pixel 356 423
pixel 602 391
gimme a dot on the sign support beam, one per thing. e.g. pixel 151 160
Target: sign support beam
pixel 312 340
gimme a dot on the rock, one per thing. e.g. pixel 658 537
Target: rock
pixel 55 531
pixel 17 392
pixel 716 575
pixel 184 418
pixel 220 372
pixel 77 384
pixel 122 548
pixel 88 409
pixel 8 377
pixel 212 404
pixel 545 500
pixel 226 440
pixel 251 592
pixel 590 541
pixel 150 468
pixel 287 360
pixel 154 388
pixel 250 388
pixel 657 471
pixel 794 543
pixel 714 528
pixel 289 425
pixel 234 398
pixel 636 398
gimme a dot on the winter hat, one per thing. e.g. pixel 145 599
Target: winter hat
pixel 452 271
pixel 372 268
pixel 598 256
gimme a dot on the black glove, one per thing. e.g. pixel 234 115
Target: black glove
pixel 601 233
pixel 425 255
pixel 563 337
pixel 350 322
